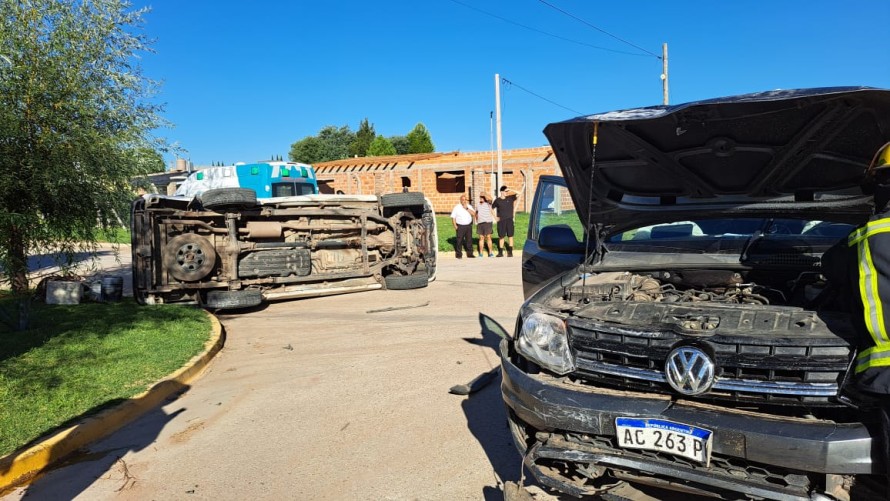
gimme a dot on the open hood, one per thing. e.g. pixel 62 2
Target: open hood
pixel 779 153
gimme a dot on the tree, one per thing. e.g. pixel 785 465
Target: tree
pixel 419 140
pixel 149 159
pixel 331 143
pixel 364 136
pixel 400 143
pixel 381 147
pixel 308 150
pixel 74 115
pixel 336 141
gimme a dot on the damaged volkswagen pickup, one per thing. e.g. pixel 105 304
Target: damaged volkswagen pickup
pixel 224 248
pixel 683 328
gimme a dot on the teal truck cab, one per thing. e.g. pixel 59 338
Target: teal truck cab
pixel 266 179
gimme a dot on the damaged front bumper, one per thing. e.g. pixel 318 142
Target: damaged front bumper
pixel 567 433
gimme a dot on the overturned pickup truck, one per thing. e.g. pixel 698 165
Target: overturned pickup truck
pixel 224 249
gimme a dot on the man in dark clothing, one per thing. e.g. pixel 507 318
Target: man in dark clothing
pixel 462 217
pixel 505 207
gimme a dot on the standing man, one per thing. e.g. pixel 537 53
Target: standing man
pixel 462 218
pixel 505 205
pixel 484 221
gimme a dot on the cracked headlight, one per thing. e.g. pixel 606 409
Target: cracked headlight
pixel 543 339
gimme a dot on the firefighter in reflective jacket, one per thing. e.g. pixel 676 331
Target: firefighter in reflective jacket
pixel 869 248
pixel 871 244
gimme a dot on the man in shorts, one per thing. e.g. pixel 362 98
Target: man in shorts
pixel 505 206
pixel 484 223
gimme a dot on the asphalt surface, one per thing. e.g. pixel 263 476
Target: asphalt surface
pixel 108 260
pixel 341 397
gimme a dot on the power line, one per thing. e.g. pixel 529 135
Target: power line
pixel 550 34
pixel 507 82
pixel 598 28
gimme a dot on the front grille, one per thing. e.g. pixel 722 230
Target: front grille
pixel 748 370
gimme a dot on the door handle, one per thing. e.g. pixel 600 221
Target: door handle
pixel 528 266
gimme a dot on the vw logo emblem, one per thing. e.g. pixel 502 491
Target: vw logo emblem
pixel 689 370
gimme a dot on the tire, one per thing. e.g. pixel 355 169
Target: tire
pixel 189 257
pixel 406 282
pixel 228 198
pixel 393 203
pixel 231 300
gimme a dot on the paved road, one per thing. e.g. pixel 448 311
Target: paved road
pixel 108 260
pixel 325 399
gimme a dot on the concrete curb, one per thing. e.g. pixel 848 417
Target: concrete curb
pixel 20 466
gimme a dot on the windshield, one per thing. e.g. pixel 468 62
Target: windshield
pixel 744 236
pixel 292 189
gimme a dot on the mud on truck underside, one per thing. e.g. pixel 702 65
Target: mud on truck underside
pixel 224 249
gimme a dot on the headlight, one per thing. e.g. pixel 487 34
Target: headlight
pixel 543 339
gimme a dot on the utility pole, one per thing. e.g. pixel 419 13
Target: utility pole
pixel 497 99
pixel 491 180
pixel 664 71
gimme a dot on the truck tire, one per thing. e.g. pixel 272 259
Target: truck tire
pixel 231 300
pixel 406 282
pixel 228 198
pixel 402 199
pixel 189 257
pixel 394 202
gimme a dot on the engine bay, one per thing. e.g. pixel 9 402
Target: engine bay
pixel 803 289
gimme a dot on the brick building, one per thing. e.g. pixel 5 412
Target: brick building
pixel 442 177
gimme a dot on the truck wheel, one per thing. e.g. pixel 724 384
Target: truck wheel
pixel 405 282
pixel 228 198
pixel 394 202
pixel 189 257
pixel 402 199
pixel 231 300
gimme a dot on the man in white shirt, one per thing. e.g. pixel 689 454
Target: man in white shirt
pixel 462 218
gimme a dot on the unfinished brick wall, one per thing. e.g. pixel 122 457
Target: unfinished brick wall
pixel 442 177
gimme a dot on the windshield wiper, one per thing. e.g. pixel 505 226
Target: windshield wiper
pixel 754 238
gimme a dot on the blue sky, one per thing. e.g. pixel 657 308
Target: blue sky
pixel 244 80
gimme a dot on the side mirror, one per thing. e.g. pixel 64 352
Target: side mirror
pixel 559 238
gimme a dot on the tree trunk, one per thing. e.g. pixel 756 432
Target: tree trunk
pixel 18 263
pixel 24 313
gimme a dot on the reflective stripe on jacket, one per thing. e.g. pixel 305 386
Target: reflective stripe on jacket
pixel 873 257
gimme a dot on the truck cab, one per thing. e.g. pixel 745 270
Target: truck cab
pixel 266 179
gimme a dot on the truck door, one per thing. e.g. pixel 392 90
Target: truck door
pixel 555 241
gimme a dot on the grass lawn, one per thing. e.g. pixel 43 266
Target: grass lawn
pixel 115 236
pixel 447 236
pixel 78 359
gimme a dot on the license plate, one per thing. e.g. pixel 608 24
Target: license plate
pixel 665 436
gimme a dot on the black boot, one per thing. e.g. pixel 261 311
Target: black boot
pixel 500 252
pixel 509 251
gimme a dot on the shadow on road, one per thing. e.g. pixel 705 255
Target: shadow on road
pixel 69 474
pixel 82 259
pixel 487 419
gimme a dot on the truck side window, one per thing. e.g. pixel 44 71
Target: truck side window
pixel 555 207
